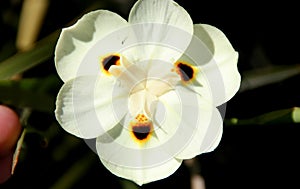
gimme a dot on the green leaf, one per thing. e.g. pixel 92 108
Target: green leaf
pixel 284 116
pixel 265 76
pixel 23 61
pixel 296 115
pixel 29 93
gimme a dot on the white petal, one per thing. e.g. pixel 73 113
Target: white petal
pixel 131 76
pixel 221 72
pixel 142 102
pixel 144 175
pixel 135 159
pixel 207 135
pixel 189 125
pixel 158 11
pixel 161 50
pixel 164 24
pixel 89 106
pixel 120 140
pixel 75 41
pixel 168 117
pixel 159 86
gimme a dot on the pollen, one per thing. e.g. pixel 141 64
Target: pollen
pixel 186 71
pixel 141 118
pixel 108 61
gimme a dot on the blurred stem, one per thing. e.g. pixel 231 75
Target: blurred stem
pixel 31 21
pixel 196 179
pixel 76 171
pixel 62 151
pixel 126 184
pixel 26 112
pixel 17 151
pixel 24 116
pixel 284 116
pixel 23 61
pixel 265 76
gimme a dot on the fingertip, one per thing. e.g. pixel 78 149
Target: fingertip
pixel 5 167
pixel 10 129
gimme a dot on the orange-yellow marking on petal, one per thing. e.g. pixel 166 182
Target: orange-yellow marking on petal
pixel 107 61
pixel 186 71
pixel 141 129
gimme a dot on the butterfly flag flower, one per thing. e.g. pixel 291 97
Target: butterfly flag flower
pixel 146 89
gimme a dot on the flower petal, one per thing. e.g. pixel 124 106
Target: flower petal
pixel 144 175
pixel 141 102
pixel 224 64
pixel 132 157
pixel 158 11
pixel 120 140
pixel 89 106
pixel 189 126
pixel 75 41
pixel 208 134
pixel 161 78
pixel 157 25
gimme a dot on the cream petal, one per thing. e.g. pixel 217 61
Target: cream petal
pixel 161 78
pixel 157 25
pixel 130 76
pixel 188 124
pixel 158 11
pixel 75 41
pixel 159 87
pixel 207 135
pixel 207 86
pixel 123 149
pixel 141 102
pixel 89 106
pixel 121 137
pixel 144 175
pixel 168 117
pixel 221 72
pixel 213 135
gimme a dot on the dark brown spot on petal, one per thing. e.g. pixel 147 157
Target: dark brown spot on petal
pixel 185 71
pixel 110 60
pixel 141 132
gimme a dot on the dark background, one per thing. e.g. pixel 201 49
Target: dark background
pixel 252 156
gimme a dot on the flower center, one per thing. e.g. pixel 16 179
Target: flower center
pixel 142 102
pixel 142 106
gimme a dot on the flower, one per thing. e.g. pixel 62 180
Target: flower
pixel 146 89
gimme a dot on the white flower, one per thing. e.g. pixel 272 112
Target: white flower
pixel 147 89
